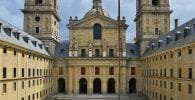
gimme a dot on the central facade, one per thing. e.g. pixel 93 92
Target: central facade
pixel 91 63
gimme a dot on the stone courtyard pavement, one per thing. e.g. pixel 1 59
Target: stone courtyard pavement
pixel 94 97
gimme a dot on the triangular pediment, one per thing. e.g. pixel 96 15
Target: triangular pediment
pixel 90 21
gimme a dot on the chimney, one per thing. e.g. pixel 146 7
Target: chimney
pixel 176 23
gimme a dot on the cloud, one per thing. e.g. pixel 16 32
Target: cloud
pixel 183 9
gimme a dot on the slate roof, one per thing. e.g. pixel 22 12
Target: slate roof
pixel 132 50
pixel 172 35
pixel 15 36
pixel 62 49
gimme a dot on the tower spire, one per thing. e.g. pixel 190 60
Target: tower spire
pixel 97 4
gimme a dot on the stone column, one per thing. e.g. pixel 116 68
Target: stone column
pixel 70 80
pixel 90 80
pixel 104 80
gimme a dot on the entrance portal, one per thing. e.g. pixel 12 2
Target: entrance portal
pixel 61 85
pixel 132 85
pixel 83 86
pixel 111 86
pixel 97 86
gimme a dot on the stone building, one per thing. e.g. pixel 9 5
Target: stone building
pixel 35 65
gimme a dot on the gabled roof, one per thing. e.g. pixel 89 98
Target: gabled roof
pixel 182 40
pixel 18 37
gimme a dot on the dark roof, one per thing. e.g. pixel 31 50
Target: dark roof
pixel 154 46
pixel 16 36
pixel 132 50
pixel 62 49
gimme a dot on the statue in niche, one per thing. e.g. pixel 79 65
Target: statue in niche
pixel 74 44
pixel 90 46
pixel 104 44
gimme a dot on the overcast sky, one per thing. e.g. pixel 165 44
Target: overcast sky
pixel 184 10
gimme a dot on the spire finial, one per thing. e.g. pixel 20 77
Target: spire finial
pixel 97 4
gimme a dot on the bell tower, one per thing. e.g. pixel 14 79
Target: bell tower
pixel 152 20
pixel 41 20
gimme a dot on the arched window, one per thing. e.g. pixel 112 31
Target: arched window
pixel 155 2
pixel 37 2
pixel 97 32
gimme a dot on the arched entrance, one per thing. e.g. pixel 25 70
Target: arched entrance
pixel 83 86
pixel 132 85
pixel 61 85
pixel 111 86
pixel 97 86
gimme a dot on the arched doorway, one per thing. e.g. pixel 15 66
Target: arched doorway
pixel 132 85
pixel 97 86
pixel 111 86
pixel 83 86
pixel 61 85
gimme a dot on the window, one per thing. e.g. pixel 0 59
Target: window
pixel 180 73
pixel 179 87
pixel 62 51
pixel 189 51
pixel 4 88
pixel 190 89
pixel 22 84
pixel 83 52
pixel 4 72
pixel 156 31
pixel 61 71
pixel 33 72
pixel 23 55
pixel 179 53
pixel 171 85
pixel 165 73
pixel 22 98
pixel 190 73
pixel 22 72
pixel 165 84
pixel 37 2
pixel 111 70
pixel 132 70
pixel 37 29
pixel 97 52
pixel 111 52
pixel 155 2
pixel 82 70
pixel 29 72
pixel 14 86
pixel 15 52
pixel 55 4
pixel 171 73
pixel 37 18
pixel 97 71
pixel 28 97
pixel 97 32
pixel 4 50
pixel 14 72
pixel 29 84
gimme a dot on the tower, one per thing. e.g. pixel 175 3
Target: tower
pixel 42 21
pixel 152 20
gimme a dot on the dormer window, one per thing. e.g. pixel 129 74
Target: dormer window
pixel 16 35
pixel 187 31
pixel 155 2
pixel 153 45
pixel 8 31
pixel 41 46
pixel 34 43
pixel 177 35
pixel 160 43
pixel 26 39
pixel 169 39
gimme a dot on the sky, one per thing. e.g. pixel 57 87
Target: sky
pixel 184 10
